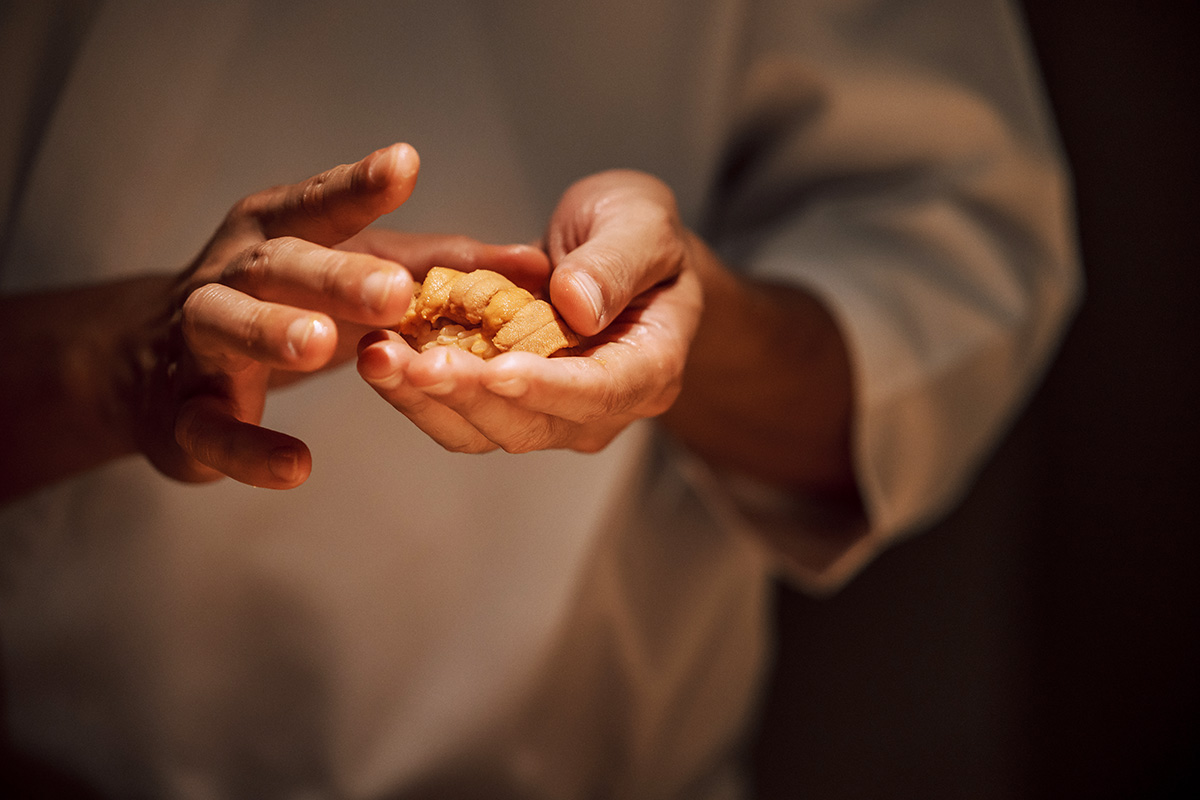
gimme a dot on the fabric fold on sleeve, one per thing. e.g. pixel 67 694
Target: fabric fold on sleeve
pixel 935 223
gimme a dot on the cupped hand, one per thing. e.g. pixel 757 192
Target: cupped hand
pixel 619 266
pixel 267 299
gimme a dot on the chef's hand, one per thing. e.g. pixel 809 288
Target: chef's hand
pixel 267 300
pixel 621 271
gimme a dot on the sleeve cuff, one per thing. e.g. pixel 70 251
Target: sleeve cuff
pixel 814 546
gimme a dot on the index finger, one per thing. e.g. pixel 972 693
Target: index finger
pixel 336 204
pixel 524 264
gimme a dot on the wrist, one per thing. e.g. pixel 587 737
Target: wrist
pixel 71 373
pixel 767 390
pixel 130 350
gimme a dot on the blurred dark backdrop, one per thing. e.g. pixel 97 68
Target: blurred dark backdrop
pixel 1044 642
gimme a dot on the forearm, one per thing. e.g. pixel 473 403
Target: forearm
pixel 69 363
pixel 768 390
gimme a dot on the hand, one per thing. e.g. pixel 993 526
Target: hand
pixel 619 266
pixel 267 299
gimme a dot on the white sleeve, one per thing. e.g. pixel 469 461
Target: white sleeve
pixel 897 160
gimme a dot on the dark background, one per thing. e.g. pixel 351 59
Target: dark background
pixel 1044 642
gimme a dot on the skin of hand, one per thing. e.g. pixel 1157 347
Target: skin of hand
pixel 767 387
pixel 768 391
pixel 263 302
pixel 178 367
pixel 618 272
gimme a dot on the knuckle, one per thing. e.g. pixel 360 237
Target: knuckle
pixel 332 272
pixel 661 402
pixel 619 395
pixel 661 395
pixel 208 446
pixel 317 196
pixel 657 215
pixel 253 323
pixel 247 207
pixel 215 316
pixel 313 195
pixel 185 429
pixel 248 213
pixel 591 441
pixel 524 443
pixel 469 445
pixel 189 329
pixel 674 249
pixel 198 301
pixel 253 266
pixel 201 437
pixel 608 260
pixel 540 433
pixel 648 393
pixel 250 267
pixel 600 411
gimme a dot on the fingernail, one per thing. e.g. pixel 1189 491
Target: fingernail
pixel 380 365
pixel 377 288
pixel 284 463
pixel 407 161
pixel 299 332
pixel 380 166
pixel 591 291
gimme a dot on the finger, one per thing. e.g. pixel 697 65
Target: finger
pixel 350 286
pixel 207 431
pixel 524 264
pixel 229 329
pixel 454 378
pixel 331 207
pixel 627 251
pixel 382 362
pixel 579 389
pixel 613 382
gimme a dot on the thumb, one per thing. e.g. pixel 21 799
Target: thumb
pixel 593 283
pixel 614 235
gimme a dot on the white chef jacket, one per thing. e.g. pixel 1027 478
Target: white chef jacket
pixel 415 623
